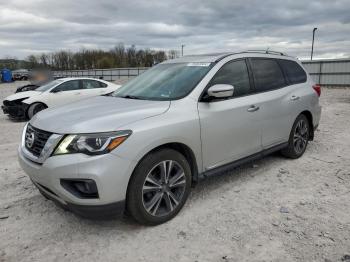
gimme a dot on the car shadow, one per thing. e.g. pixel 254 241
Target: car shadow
pixel 14 120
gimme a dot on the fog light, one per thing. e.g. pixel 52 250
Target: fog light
pixel 82 188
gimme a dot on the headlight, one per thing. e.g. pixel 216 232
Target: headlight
pixel 19 101
pixel 91 144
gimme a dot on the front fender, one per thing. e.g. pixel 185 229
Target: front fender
pixel 178 125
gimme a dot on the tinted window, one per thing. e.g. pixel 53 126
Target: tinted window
pixel 68 86
pixel 236 74
pixel 102 84
pixel 293 71
pixel 267 74
pixel 90 84
pixel 49 85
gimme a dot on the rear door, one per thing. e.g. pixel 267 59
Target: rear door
pixel 230 128
pixel 91 87
pixel 273 93
pixel 299 90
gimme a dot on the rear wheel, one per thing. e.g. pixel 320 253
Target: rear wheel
pixel 159 187
pixel 35 108
pixel 298 138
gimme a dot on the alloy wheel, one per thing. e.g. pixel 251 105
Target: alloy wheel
pixel 301 136
pixel 163 188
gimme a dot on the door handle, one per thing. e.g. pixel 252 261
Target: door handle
pixel 293 98
pixel 253 108
pixel 77 93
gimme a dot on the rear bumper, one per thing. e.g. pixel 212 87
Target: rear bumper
pixel 15 111
pixel 317 116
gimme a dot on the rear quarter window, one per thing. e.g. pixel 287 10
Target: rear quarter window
pixel 267 74
pixel 102 84
pixel 293 71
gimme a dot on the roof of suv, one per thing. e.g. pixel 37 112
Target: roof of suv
pixel 210 58
pixel 204 58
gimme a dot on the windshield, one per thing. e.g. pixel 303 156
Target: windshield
pixel 164 82
pixel 49 85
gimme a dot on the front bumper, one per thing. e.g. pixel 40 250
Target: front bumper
pixel 110 173
pixel 88 211
pixel 15 111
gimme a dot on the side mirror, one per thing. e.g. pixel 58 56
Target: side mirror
pixel 220 91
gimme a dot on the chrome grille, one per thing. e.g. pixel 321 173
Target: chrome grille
pixel 40 138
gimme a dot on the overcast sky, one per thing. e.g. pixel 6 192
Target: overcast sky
pixel 36 26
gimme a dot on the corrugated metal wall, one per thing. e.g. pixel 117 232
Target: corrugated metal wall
pixel 334 72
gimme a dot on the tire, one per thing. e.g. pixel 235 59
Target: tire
pixel 148 199
pixel 298 138
pixel 35 108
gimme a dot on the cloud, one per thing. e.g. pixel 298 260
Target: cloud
pixel 34 26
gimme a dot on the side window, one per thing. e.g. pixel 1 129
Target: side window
pixel 68 86
pixel 102 84
pixel 233 73
pixel 293 71
pixel 267 74
pixel 90 84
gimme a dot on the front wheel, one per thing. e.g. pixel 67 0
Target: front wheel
pixel 298 138
pixel 35 108
pixel 159 187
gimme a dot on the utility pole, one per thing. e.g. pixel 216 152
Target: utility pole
pixel 182 50
pixel 313 39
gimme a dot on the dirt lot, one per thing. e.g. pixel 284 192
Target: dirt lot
pixel 274 209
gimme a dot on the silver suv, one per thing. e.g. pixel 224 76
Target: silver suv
pixel 143 147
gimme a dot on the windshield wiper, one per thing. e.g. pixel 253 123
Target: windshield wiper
pixel 130 97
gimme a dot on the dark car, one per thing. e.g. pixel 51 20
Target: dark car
pixel 20 74
pixel 37 79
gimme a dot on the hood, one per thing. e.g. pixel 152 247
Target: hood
pixel 98 114
pixel 22 95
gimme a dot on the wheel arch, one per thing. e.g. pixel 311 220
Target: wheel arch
pixel 309 117
pixel 185 150
pixel 32 103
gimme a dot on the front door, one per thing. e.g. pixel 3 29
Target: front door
pixel 230 128
pixel 67 92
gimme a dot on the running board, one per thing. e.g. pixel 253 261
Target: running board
pixel 236 163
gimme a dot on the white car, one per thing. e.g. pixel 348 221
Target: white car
pixel 56 93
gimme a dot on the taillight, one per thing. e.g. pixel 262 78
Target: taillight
pixel 317 88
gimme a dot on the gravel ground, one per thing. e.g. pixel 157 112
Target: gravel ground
pixel 274 209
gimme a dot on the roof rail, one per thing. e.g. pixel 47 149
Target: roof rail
pixel 253 51
pixel 267 51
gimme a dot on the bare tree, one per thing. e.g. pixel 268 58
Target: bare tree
pixel 32 61
pixel 173 54
pixel 119 56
